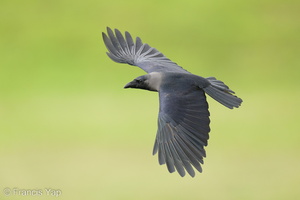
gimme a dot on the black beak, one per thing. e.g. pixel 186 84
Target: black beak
pixel 130 85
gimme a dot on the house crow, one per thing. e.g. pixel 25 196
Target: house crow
pixel 183 119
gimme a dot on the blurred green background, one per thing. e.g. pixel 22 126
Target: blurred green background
pixel 66 123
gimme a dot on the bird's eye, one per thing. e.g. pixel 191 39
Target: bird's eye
pixel 138 80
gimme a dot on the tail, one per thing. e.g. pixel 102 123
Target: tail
pixel 221 93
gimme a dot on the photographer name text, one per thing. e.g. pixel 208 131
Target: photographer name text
pixel 32 192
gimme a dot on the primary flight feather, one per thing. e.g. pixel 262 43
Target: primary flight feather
pixel 183 120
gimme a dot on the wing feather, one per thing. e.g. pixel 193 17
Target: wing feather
pixel 182 132
pixel 130 42
pixel 124 50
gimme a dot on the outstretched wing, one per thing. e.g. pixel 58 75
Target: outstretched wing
pixel 183 127
pixel 125 50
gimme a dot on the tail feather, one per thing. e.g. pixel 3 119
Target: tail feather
pixel 221 93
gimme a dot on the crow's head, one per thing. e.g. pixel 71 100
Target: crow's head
pixel 147 82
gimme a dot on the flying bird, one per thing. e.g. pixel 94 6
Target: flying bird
pixel 183 119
